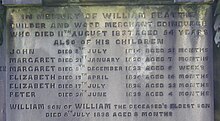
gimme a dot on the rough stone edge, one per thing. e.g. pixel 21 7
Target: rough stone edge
pixel 97 2
pixel 22 2
pixel 216 59
pixel 2 63
pixel 195 1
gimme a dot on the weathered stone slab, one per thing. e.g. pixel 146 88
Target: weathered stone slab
pixel 125 2
pixel 113 63
pixel 2 101
pixel 18 2
pixel 194 0
pixel 2 64
pixel 106 2
pixel 58 2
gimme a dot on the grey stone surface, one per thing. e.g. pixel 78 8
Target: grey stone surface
pixel 53 2
pixel 21 2
pixel 2 77
pixel 106 2
pixel 2 101
pixel 59 52
pixel 2 64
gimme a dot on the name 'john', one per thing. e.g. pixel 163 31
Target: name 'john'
pixel 22 51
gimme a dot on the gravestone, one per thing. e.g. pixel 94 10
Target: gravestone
pixel 122 61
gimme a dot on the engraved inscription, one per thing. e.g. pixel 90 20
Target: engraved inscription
pixel 121 63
